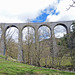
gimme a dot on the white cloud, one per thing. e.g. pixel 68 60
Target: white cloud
pixel 64 14
pixel 4 19
pixel 20 10
pixel 52 18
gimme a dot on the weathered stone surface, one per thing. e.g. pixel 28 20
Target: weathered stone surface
pixel 20 26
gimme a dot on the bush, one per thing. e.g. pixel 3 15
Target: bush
pixel 1 56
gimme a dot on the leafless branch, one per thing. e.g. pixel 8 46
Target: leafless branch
pixel 72 5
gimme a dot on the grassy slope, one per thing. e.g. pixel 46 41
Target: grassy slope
pixel 15 68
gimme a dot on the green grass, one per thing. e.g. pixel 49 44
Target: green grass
pixel 15 68
pixel 2 56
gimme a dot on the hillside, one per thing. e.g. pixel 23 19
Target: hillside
pixel 16 68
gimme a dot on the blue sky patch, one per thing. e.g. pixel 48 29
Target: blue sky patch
pixel 45 13
pixel 41 18
pixel 58 1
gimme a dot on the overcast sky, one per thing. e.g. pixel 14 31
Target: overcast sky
pixel 36 10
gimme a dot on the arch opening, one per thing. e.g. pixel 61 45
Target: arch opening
pixel 28 39
pixel 11 37
pixel 61 39
pixel 44 33
pixel 60 31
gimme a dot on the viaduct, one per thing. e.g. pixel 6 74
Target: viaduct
pixel 36 26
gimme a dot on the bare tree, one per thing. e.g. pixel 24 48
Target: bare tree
pixel 44 45
pixel 28 45
pixel 71 5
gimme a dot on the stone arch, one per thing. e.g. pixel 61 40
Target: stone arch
pixel 44 25
pixel 27 26
pixel 11 40
pixel 70 28
pixel 11 26
pixel 61 25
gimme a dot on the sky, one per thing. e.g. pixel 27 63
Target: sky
pixel 22 11
pixel 19 11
